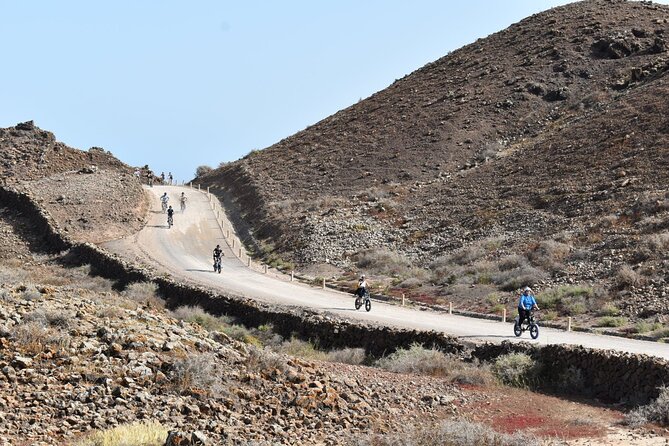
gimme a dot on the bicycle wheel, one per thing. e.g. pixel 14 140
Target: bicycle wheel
pixel 368 304
pixel 358 303
pixel 534 331
pixel 517 329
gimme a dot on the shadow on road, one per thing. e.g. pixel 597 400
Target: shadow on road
pixel 488 336
pixel 200 270
pixel 158 226
pixel 340 309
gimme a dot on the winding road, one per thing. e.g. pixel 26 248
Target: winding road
pixel 185 252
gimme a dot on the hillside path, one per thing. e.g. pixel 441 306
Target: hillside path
pixel 185 251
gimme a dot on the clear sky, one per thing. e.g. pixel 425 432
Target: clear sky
pixel 177 84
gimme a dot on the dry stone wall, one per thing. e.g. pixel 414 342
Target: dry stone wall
pixel 607 375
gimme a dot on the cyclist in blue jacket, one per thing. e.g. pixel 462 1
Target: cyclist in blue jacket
pixel 526 304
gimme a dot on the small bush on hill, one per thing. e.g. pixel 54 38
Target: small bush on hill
pixel 355 356
pixel 198 316
pixel 515 369
pixel 626 278
pixel 145 293
pixel 197 371
pixel 382 261
pixel 655 412
pixel 202 170
pixel 549 254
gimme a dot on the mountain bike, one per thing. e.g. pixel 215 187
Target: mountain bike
pixel 170 221
pixel 217 264
pixel 528 324
pixel 364 299
pixel 164 206
pixel 183 205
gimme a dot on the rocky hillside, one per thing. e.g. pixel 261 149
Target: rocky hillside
pixel 537 155
pixel 91 195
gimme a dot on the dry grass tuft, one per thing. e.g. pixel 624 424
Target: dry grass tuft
pixel 382 261
pixel 135 434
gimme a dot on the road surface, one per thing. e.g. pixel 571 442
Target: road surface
pixel 185 252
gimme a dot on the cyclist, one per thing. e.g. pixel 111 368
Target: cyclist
pixel 526 304
pixel 218 253
pixel 362 287
pixel 183 200
pixel 163 200
pixel 170 216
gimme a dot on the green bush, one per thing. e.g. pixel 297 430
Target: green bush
pixel 416 359
pixel 611 321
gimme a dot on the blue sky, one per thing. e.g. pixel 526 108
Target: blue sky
pixel 178 84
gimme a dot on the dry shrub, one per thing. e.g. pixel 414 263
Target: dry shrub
pixel 263 359
pixel 512 279
pixel 658 242
pixel 569 299
pixel 627 278
pixel 382 261
pixel 355 356
pixel 467 254
pixel 655 412
pixel 421 360
pixel 197 315
pixel 11 275
pixel 515 369
pixel 512 262
pixel 198 371
pixel 146 433
pixel 34 336
pixel 144 293
pixel 448 433
pixel 411 282
pixel 50 318
pixel 549 254
pixel 302 349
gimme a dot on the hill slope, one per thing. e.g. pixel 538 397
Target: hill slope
pixel 536 155
pixel 92 195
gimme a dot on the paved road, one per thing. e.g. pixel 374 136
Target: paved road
pixel 185 252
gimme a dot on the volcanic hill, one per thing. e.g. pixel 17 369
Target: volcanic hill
pixel 538 155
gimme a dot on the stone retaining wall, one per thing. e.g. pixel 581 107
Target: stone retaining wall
pixel 607 375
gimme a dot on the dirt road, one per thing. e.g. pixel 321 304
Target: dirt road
pixel 185 252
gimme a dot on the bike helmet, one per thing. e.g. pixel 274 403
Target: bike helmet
pixel 527 289
pixel 218 246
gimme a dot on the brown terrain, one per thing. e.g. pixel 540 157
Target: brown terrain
pixel 535 153
pixel 536 156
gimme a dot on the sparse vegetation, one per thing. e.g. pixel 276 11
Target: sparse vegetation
pixel 449 433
